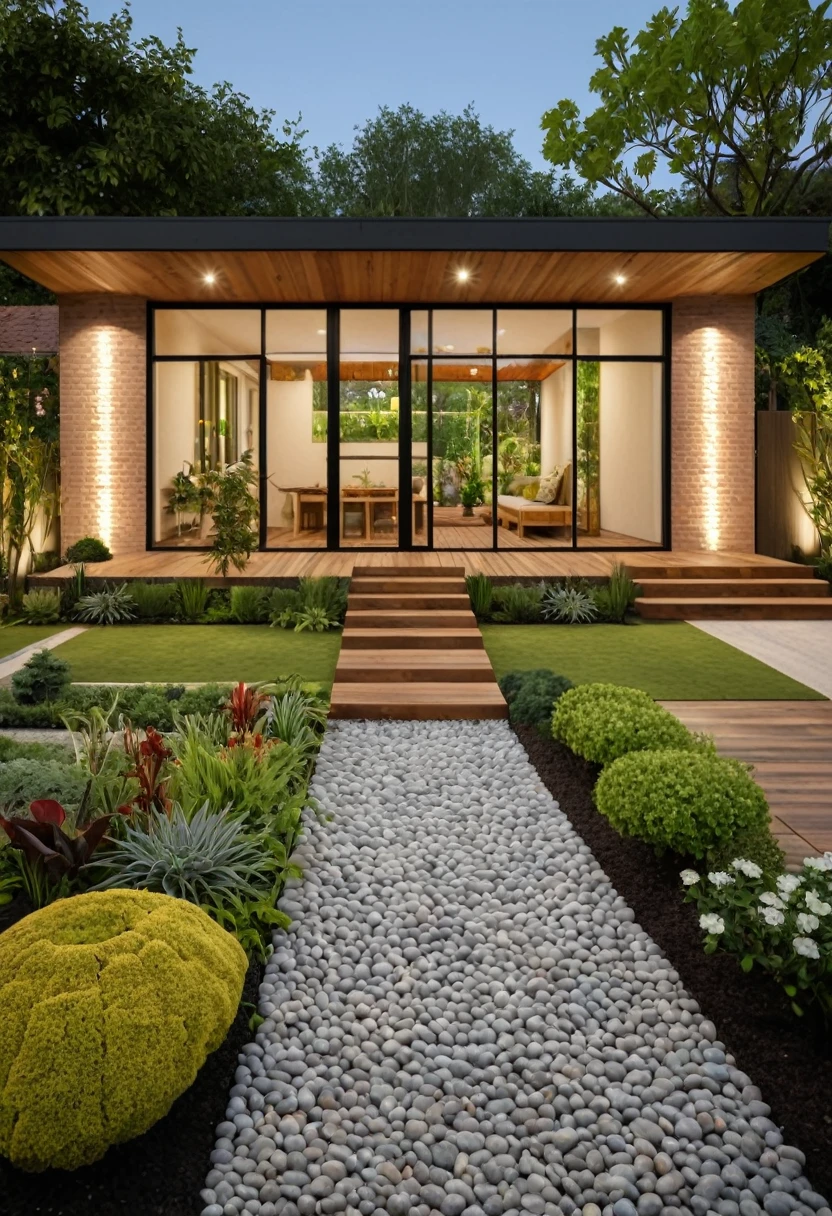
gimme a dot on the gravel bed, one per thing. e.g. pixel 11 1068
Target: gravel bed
pixel 465 1017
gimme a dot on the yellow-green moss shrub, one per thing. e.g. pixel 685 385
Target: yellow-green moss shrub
pixel 109 1004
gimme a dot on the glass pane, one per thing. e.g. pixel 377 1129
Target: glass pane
pixel 462 331
pixel 525 331
pixel 619 331
pixel 295 331
pixel 461 409
pixel 207 331
pixel 421 483
pixel 205 418
pixel 369 428
pixel 419 333
pixel 619 413
pixel 534 453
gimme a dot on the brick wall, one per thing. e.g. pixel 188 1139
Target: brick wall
pixel 23 327
pixel 712 424
pixel 103 420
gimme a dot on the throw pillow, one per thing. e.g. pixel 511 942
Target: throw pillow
pixel 550 487
pixel 530 491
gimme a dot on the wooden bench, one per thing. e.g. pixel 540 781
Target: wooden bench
pixel 526 514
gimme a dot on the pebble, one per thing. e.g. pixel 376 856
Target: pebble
pixel 465 1018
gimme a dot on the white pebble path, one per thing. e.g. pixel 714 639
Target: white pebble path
pixel 466 1019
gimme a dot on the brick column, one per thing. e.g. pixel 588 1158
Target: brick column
pixel 712 424
pixel 103 420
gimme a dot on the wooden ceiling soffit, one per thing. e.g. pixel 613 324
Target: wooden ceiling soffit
pixel 531 369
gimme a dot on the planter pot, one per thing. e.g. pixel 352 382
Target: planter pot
pixel 467 510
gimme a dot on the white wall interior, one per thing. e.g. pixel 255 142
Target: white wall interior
pixel 556 419
pixel 293 459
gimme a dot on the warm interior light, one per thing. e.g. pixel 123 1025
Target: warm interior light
pixel 620 279
pixel 448 347
pixel 104 372
pixel 321 331
pixel 475 371
pixel 500 332
pixel 210 278
pixel 463 275
pixel 711 397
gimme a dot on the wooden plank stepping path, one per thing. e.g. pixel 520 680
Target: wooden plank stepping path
pixel 412 649
pixel 748 591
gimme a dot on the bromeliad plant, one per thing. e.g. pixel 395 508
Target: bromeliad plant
pixel 782 925
pixel 246 706
pixel 149 755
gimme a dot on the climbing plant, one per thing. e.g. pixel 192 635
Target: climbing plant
pixel 807 373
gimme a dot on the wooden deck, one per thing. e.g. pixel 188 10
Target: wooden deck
pixel 790 745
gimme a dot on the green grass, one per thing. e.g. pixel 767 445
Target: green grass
pixel 15 637
pixel 672 662
pixel 199 653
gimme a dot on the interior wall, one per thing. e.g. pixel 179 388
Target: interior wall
pixel 631 450
pixel 176 387
pixel 556 419
pixel 293 459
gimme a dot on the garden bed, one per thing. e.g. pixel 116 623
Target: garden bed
pixel 791 1064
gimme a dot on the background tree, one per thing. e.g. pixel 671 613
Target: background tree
pixel 734 101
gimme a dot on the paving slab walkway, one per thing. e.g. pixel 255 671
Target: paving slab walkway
pixel 466 1019
pixel 800 649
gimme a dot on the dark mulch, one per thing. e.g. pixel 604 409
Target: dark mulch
pixel 162 1172
pixel 779 1051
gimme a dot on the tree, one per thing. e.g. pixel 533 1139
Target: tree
pixel 403 162
pixel 735 102
pixel 98 124
pixel 808 374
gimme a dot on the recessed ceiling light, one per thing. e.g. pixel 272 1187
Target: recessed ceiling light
pixel 620 279
pixel 448 347
pixel 321 331
pixel 463 275
pixel 500 332
pixel 475 371
pixel 210 278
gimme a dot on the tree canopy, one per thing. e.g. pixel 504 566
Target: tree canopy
pixel 733 101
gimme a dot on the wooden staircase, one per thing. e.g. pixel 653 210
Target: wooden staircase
pixel 411 649
pixel 759 592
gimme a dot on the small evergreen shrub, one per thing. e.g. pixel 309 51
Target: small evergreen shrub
pixel 112 606
pixel 756 844
pixel 688 801
pixel 110 1003
pixel 14 714
pixel 154 601
pixel 41 606
pixel 87 549
pixel 531 695
pixel 604 721
pixel 249 605
pixel 41 679
pixel 25 780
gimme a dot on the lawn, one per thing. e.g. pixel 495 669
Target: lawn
pixel 15 637
pixel 672 661
pixel 199 653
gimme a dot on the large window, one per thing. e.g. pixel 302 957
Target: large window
pixel 499 428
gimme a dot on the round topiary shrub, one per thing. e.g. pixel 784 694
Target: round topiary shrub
pixel 604 721
pixel 109 1004
pixel 88 549
pixel 687 801
pixel 532 694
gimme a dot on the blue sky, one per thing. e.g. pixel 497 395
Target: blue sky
pixel 336 61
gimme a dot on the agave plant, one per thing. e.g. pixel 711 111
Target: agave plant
pixel 568 605
pixel 112 606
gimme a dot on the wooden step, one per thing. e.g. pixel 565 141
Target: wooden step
pixel 411 639
pixel 439 666
pixel 417 700
pixel 763 570
pixel 409 599
pixel 711 588
pixel 388 586
pixel 745 608
pixel 409 618
pixel 408 572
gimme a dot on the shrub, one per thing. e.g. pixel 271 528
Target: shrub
pixel 315 620
pixel 12 714
pixel 604 721
pixel 193 598
pixel 687 801
pixel 517 605
pixel 249 605
pixel 758 845
pixel 531 695
pixel 14 749
pixel 481 594
pixel 294 717
pixel 234 514
pixel 87 549
pixel 154 601
pixel 26 779
pixel 42 606
pixel 326 593
pixel 615 600
pixel 284 605
pixel 42 678
pixel 568 605
pixel 112 606
pixel 47 856
pixel 110 1003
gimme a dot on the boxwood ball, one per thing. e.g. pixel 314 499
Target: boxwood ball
pixel 109 1003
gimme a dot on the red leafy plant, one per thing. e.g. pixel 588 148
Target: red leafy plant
pixel 44 843
pixel 245 705
pixel 149 756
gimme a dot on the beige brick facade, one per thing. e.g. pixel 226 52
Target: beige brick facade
pixel 712 424
pixel 103 420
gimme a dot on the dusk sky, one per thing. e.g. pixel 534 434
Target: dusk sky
pixel 337 61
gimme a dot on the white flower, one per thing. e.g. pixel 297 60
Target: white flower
pixel 772 916
pixel 773 901
pixel 689 877
pixel 787 884
pixel 720 879
pixel 806 946
pixel 711 923
pixel 807 923
pixel 818 906
pixel 749 868
pixel 818 863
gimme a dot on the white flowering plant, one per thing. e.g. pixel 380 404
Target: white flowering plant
pixel 782 924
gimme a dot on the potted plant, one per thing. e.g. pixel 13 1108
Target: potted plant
pixel 471 495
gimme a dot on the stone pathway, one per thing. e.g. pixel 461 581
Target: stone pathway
pixel 465 1018
pixel 11 663
pixel 800 649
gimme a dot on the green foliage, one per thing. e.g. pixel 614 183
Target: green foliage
pixel 297 718
pixel 327 592
pixel 531 695
pixel 14 749
pixel 87 549
pixel 249 605
pixel 111 606
pixel 689 801
pixel 758 845
pixel 193 598
pixel 145 705
pixel 26 780
pixel 74 1082
pixel 604 721
pixel 318 605
pixel 746 129
pixel 154 601
pixel 807 373
pixel 315 620
pixel 615 600
pixel 516 604
pixel 42 606
pixel 72 591
pixel 568 605
pixel 235 512
pixel 41 679
pixel 481 594
pixel 781 924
